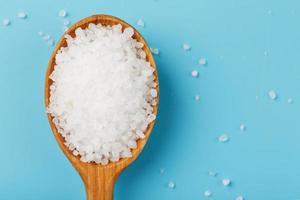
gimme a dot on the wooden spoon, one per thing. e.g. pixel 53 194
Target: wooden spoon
pixel 99 180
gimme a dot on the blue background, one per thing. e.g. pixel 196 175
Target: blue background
pixel 251 46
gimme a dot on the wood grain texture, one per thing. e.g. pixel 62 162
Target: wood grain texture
pixel 98 180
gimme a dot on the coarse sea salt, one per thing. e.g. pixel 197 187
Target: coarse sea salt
pixel 195 73
pixel 155 51
pixel 242 127
pixel 67 22
pixel 171 185
pixel 6 22
pixel 197 97
pixel 62 13
pixel 140 23
pixel 102 93
pixel 239 198
pixel 223 138
pixel 22 15
pixel 186 47
pixel 207 193
pixel 272 95
pixel 202 61
pixel 226 182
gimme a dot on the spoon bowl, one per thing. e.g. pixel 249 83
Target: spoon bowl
pixel 98 179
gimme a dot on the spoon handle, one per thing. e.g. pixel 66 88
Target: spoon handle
pixel 99 184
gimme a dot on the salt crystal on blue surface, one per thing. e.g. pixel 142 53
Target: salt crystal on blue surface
pixel 212 173
pixel 223 138
pixel 65 28
pixel 207 193
pixel 66 22
pixel 290 101
pixel 195 73
pixel 242 127
pixel 51 42
pixel 162 171
pixel 40 33
pixel 202 61
pixel 239 198
pixel 186 47
pixel 141 23
pixel 47 37
pixel 62 13
pixel 171 184
pixel 22 15
pixel 155 51
pixel 226 182
pixel 197 97
pixel 272 94
pixel 6 22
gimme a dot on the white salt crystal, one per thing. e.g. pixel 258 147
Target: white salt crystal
pixel 65 28
pixel 186 47
pixel 66 22
pixel 197 97
pixel 162 171
pixel 223 138
pixel 242 127
pixel 171 184
pixel 226 182
pixel 40 33
pixel 6 22
pixel 202 61
pixel 102 94
pixel 155 51
pixel 22 15
pixel 51 42
pixel 272 95
pixel 212 173
pixel 207 193
pixel 239 198
pixel 47 37
pixel 141 23
pixel 195 73
pixel 290 101
pixel 62 13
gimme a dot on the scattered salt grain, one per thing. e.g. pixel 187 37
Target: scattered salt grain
pixel 290 101
pixel 242 127
pixel 202 61
pixel 162 171
pixel 66 22
pixel 62 13
pixel 171 185
pixel 195 73
pixel 207 193
pixel 239 198
pixel 101 110
pixel 226 182
pixel 47 37
pixel 223 138
pixel 65 28
pixel 51 42
pixel 212 173
pixel 272 95
pixel 155 51
pixel 141 23
pixel 6 22
pixel 40 33
pixel 186 47
pixel 197 97
pixel 22 15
